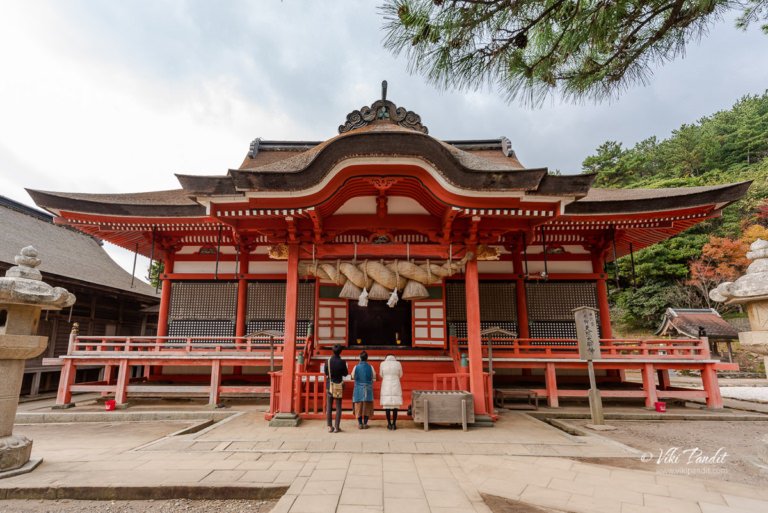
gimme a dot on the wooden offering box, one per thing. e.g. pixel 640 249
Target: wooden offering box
pixel 441 406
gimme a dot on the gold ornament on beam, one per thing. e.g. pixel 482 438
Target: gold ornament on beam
pixel 278 252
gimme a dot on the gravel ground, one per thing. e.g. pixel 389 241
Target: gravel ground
pixel 669 448
pixel 755 394
pixel 168 506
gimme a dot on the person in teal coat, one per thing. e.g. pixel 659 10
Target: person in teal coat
pixel 362 395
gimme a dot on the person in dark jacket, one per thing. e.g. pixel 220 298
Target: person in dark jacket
pixel 362 395
pixel 335 371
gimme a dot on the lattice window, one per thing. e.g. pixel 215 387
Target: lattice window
pixel 266 300
pixel 201 328
pixel 459 329
pixel 552 329
pixel 302 327
pixel 203 300
pixel 555 301
pixel 551 305
pixel 455 301
pixel 497 301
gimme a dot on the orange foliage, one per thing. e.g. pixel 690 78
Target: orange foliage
pixel 722 259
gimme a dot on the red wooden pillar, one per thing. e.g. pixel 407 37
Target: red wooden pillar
pixel 550 378
pixel 289 338
pixel 602 297
pixel 67 378
pixel 649 384
pixel 242 295
pixel 165 297
pixel 520 296
pixel 474 342
pixel 121 387
pixel 712 387
pixel 165 306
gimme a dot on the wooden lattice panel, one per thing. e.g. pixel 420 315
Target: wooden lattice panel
pixel 201 328
pixel 208 300
pixel 332 320
pixel 302 327
pixel 555 301
pixel 266 300
pixel 428 323
pixel 497 301
pixel 459 329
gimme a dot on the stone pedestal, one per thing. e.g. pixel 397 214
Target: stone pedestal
pixel 751 291
pixel 23 295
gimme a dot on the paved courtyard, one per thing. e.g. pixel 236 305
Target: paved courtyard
pixel 409 470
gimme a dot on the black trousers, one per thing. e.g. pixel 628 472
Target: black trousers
pixel 329 400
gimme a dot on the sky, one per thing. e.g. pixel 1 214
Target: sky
pixel 115 96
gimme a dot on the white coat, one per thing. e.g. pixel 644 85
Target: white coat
pixel 391 393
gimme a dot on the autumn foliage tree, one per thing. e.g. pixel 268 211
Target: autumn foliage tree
pixel 722 259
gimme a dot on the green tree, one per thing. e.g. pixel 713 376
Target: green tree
pixel 156 268
pixel 529 48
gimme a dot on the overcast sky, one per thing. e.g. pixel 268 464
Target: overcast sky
pixel 117 96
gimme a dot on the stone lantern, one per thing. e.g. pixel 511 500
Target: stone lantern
pixel 23 295
pixel 751 291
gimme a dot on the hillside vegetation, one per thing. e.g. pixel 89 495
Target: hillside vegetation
pixel 725 147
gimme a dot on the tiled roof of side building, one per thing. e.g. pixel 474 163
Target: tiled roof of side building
pixel 173 202
pixel 64 252
pixel 606 201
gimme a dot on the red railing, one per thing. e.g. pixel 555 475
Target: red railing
pixel 460 381
pixel 310 393
pixel 185 345
pixel 274 392
pixel 667 349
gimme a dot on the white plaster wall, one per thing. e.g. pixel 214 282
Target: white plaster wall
pixel 203 267
pixel 495 267
pixel 269 267
pixel 560 267
pixel 358 205
pixel 404 205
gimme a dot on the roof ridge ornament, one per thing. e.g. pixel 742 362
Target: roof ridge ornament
pixel 384 110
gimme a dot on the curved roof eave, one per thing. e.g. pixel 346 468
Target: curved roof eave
pixel 609 201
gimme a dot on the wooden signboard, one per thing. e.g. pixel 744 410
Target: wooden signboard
pixel 587 333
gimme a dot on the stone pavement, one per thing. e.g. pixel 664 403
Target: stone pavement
pixel 409 470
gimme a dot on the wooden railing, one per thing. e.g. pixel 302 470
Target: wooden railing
pixel 309 394
pixel 667 349
pixel 460 381
pixel 185 345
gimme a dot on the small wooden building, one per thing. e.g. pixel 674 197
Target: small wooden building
pixel 460 233
pixel 695 323
pixel 109 301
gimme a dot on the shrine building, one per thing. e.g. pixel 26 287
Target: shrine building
pixel 451 255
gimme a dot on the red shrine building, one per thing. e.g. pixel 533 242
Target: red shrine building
pixel 386 239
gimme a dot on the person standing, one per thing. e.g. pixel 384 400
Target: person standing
pixel 391 392
pixel 335 370
pixel 362 395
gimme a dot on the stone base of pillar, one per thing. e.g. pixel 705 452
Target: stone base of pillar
pixel 285 420
pixel 24 469
pixel 15 451
pixel 483 421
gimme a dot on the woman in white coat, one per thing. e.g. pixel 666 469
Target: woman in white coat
pixel 391 392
